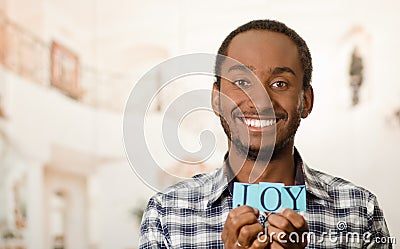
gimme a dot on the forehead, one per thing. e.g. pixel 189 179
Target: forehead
pixel 264 50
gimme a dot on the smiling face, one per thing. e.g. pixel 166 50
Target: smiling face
pixel 251 119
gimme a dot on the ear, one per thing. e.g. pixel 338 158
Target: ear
pixel 215 99
pixel 308 96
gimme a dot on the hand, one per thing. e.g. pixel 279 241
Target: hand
pixel 241 229
pixel 282 225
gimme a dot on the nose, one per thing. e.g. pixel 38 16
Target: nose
pixel 258 97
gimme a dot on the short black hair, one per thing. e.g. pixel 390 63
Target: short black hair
pixel 274 26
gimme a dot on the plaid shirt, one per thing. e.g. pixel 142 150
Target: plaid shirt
pixel 192 213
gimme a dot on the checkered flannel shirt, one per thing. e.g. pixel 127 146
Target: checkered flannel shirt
pixel 192 213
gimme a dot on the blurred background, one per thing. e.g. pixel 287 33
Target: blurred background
pixel 67 68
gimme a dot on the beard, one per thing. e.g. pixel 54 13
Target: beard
pixel 264 153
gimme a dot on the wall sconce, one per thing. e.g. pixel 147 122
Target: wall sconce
pixel 2 113
pixel 356 75
pixel 397 116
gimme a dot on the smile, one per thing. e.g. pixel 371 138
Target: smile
pixel 259 123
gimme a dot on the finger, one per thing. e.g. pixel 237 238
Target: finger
pixel 241 216
pixel 286 240
pixel 235 224
pixel 262 241
pixel 297 220
pixel 296 237
pixel 281 222
pixel 276 245
pixel 237 217
pixel 243 209
pixel 248 234
pixel 278 235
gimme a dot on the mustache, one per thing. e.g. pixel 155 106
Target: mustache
pixel 264 112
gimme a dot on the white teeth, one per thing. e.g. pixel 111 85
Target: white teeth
pixel 264 123
pixel 259 122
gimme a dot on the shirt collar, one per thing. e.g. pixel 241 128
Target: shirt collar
pixel 219 185
pixel 304 176
pixel 314 184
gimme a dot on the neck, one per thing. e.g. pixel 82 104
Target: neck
pixel 279 169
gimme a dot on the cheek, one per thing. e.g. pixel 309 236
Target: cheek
pixel 225 108
pixel 230 101
pixel 300 106
pixel 293 106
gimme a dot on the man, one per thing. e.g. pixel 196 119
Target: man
pixel 260 117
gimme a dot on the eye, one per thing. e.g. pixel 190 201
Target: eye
pixel 242 83
pixel 279 84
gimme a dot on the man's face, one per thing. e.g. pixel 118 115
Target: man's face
pixel 247 115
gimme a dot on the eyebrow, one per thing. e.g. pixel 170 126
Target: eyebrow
pixel 279 70
pixel 241 67
pixel 274 71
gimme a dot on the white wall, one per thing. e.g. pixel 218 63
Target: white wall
pixel 116 191
pixel 76 213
